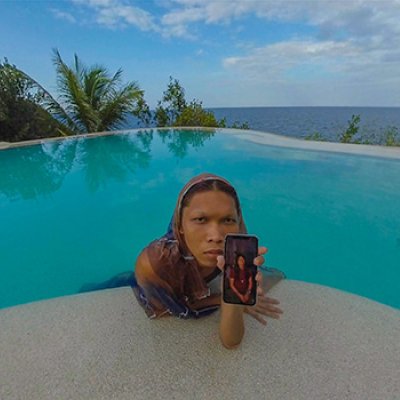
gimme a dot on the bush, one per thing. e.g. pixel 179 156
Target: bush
pixel 316 136
pixel 21 114
pixel 390 136
pixel 352 129
pixel 195 115
pixel 173 110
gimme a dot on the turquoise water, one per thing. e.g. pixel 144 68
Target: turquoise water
pixel 79 211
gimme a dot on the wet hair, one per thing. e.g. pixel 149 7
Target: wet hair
pixel 207 186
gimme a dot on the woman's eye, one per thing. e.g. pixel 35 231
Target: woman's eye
pixel 199 219
pixel 230 220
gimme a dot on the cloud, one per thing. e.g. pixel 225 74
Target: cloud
pixel 356 43
pixel 64 15
pixel 277 61
pixel 119 14
pixel 358 19
pixel 351 37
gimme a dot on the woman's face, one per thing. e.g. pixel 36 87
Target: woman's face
pixel 205 222
pixel 241 262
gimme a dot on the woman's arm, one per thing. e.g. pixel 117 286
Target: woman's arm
pixel 231 327
pixel 145 274
pixel 250 283
pixel 231 322
pixel 234 288
pixel 151 284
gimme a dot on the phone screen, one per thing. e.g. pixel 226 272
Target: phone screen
pixel 240 286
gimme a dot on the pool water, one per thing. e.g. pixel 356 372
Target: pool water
pixel 78 211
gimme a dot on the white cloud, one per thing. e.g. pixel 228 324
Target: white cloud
pixel 64 15
pixel 354 42
pixel 277 60
pixel 119 14
pixel 358 19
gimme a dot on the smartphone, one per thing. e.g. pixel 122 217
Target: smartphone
pixel 240 285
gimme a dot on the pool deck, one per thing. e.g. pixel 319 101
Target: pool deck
pixel 264 138
pixel 100 345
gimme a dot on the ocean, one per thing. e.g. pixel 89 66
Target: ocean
pixel 328 122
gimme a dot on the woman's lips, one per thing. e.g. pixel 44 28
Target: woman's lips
pixel 214 252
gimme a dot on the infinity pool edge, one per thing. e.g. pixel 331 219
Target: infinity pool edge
pixel 260 137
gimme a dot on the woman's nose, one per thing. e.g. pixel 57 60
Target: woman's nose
pixel 215 233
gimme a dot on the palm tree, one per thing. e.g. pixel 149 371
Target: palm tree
pixel 91 100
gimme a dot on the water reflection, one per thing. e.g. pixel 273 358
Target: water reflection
pixel 28 172
pixel 113 158
pixel 179 142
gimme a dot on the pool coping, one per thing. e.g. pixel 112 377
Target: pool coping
pixel 328 344
pixel 260 137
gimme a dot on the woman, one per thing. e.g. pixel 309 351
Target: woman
pixel 240 280
pixel 175 274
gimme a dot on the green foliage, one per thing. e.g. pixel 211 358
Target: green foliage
pixel 316 136
pixel 173 110
pixel 238 125
pixel 21 114
pixel 352 129
pixel 172 104
pixel 93 99
pixel 390 136
pixel 195 115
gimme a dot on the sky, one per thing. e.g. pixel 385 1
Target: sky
pixel 225 53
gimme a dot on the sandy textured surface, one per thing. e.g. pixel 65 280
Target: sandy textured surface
pixel 328 345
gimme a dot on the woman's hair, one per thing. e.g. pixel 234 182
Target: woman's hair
pixel 236 265
pixel 210 185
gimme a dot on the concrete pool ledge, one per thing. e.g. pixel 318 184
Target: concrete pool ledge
pixel 271 139
pixel 328 345
pixel 259 137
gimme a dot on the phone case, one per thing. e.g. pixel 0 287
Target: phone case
pixel 240 286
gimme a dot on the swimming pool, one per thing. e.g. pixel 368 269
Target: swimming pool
pixel 78 211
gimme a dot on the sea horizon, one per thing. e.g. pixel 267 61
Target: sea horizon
pixel 328 122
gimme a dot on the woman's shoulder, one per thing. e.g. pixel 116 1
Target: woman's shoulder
pixel 153 262
pixel 143 268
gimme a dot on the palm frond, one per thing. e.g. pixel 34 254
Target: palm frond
pixel 93 97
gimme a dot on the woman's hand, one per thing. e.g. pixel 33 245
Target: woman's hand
pixel 265 306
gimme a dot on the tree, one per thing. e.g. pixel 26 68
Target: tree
pixel 195 115
pixel 173 110
pixel 92 99
pixel 172 104
pixel 352 129
pixel 21 114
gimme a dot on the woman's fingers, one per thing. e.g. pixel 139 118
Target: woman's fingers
pixel 262 250
pixel 260 288
pixel 272 300
pixel 255 314
pixel 266 308
pixel 259 260
pixel 221 262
